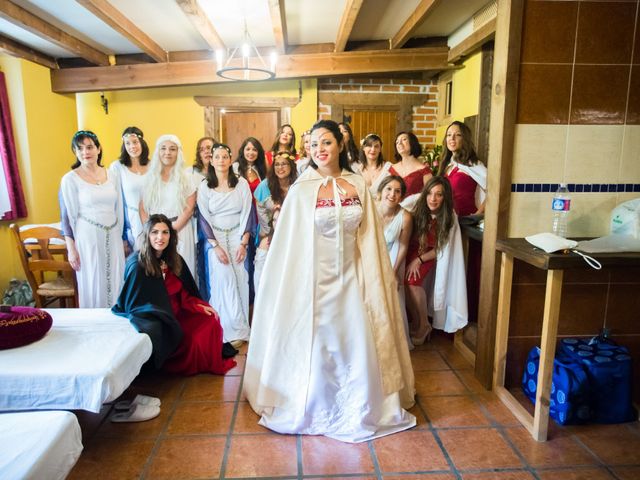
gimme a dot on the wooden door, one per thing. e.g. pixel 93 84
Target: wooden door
pixel 238 125
pixel 381 122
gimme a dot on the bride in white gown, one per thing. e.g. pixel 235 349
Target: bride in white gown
pixel 331 360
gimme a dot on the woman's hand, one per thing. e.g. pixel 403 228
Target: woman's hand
pixel 241 253
pixel 208 309
pixel 413 269
pixel 74 258
pixel 221 255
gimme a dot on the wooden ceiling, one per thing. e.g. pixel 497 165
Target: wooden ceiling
pixel 93 45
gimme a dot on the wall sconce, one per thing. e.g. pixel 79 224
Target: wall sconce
pixel 104 103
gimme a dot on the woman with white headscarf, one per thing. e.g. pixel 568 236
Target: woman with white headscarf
pixel 168 190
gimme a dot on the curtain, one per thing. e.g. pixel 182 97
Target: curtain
pixel 12 204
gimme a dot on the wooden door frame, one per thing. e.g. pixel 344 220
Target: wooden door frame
pixel 214 104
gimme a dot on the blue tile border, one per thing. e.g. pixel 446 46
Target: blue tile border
pixel 576 187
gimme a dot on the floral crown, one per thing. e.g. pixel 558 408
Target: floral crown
pixel 222 146
pixel 86 133
pixel 368 136
pixel 285 155
pixel 131 134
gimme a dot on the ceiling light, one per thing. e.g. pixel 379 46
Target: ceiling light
pixel 245 63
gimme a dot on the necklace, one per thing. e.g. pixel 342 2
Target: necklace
pixel 95 178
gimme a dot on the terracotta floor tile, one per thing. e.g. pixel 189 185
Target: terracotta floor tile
pixel 278 456
pixel 613 444
pixel 421 421
pixel 162 385
pixel 575 474
pixel 247 420
pixel 511 475
pixel 428 360
pixel 136 430
pixel 325 456
pixel 454 358
pixel 201 418
pixel 239 368
pixel 192 457
pixel 498 411
pixel 627 473
pixel 470 381
pixel 212 388
pixel 429 476
pixel 559 451
pixel 109 458
pixel 478 448
pixel 409 451
pixel 455 411
pixel 439 382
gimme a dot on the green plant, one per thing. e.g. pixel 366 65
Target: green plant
pixel 431 157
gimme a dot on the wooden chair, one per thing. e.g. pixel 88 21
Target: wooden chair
pixel 38 256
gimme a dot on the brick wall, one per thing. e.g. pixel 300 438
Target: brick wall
pixel 424 116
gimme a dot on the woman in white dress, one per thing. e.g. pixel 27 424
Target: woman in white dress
pixel 398 224
pixel 92 224
pixel 131 169
pixel 330 359
pixel 225 203
pixel 197 172
pixel 168 190
pixel 371 164
pixel 269 197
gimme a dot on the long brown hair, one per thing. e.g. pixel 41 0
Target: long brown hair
pixel 198 163
pixel 444 215
pixel 147 255
pixel 276 143
pixel 467 153
pixel 277 195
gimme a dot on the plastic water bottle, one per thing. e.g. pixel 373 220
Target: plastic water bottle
pixel 560 207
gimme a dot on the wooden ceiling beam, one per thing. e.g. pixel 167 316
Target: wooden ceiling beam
pixel 201 22
pixel 24 19
pixel 348 20
pixel 120 77
pixel 279 24
pixel 121 24
pixel 424 8
pixel 473 42
pixel 15 49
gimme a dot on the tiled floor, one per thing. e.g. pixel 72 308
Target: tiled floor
pixel 207 430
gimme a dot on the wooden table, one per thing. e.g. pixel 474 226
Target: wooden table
pixel 554 264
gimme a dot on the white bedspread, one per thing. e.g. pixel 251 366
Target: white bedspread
pixel 38 445
pixel 89 357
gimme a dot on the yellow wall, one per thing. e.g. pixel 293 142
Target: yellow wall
pixel 466 93
pixel 157 111
pixel 43 123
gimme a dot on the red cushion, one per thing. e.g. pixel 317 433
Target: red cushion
pixel 22 325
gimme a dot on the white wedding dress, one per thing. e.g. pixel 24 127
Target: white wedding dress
pixel 345 398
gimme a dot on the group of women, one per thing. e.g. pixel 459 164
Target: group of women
pixel 330 357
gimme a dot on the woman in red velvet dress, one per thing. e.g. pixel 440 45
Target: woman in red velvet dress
pixel 161 299
pixel 285 140
pixel 414 173
pixel 467 174
pixel 432 221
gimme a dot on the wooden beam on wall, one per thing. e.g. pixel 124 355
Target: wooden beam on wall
pixel 506 67
pixel 473 42
pixel 24 19
pixel 201 22
pixel 121 24
pixel 119 77
pixel 246 102
pixel 279 24
pixel 348 20
pixel 424 8
pixel 16 49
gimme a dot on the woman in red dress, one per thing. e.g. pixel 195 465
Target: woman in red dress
pixel 161 299
pixel 414 173
pixel 432 221
pixel 285 140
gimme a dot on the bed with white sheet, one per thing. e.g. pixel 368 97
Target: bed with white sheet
pixel 89 357
pixel 39 445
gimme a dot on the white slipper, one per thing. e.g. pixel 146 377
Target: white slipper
pixel 139 400
pixel 137 413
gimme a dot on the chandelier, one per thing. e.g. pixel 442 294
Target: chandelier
pixel 245 62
